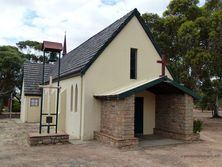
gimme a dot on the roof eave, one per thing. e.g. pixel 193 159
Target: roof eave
pixel 143 87
pixel 67 76
pixel 111 97
pixel 132 91
pixel 184 89
pixel 147 86
pixel 32 94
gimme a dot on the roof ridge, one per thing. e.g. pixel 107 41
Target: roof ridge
pixel 80 58
pixel 132 11
pixel 128 16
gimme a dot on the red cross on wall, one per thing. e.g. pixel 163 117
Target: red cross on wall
pixel 164 63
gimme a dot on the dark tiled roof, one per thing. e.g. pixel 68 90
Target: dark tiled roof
pixel 79 59
pixel 32 77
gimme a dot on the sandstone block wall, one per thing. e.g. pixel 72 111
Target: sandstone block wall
pixel 117 122
pixel 117 117
pixel 174 114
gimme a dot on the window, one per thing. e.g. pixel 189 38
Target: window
pixel 133 63
pixel 71 99
pixel 76 98
pixel 34 102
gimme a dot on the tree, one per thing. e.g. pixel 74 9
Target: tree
pixel 29 45
pixel 191 36
pixel 10 71
pixel 215 48
pixel 32 51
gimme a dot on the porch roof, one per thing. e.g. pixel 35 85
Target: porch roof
pixel 162 85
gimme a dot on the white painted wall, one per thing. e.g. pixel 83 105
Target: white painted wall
pixel 32 112
pixel 62 111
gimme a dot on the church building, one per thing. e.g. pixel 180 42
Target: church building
pixel 114 88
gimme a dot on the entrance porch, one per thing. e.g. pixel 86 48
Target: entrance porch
pixel 156 107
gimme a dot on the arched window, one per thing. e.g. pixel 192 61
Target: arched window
pixel 76 98
pixel 71 99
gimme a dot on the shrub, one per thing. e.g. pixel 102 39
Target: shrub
pixel 16 106
pixel 197 126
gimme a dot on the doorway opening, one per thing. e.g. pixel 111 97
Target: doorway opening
pixel 138 117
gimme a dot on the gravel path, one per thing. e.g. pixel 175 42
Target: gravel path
pixel 15 152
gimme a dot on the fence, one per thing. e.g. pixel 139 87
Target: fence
pixel 7 115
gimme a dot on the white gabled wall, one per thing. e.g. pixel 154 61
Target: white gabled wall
pixel 33 112
pixel 29 113
pixel 111 70
pixel 72 117
pixel 69 121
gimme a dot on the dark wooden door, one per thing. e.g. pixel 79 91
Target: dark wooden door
pixel 138 116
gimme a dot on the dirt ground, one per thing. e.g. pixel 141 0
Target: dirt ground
pixel 15 152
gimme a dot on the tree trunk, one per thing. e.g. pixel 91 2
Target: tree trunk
pixel 215 113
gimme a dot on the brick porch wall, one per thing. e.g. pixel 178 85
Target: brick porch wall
pixel 174 116
pixel 117 122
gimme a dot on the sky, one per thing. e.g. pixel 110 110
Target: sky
pixel 40 20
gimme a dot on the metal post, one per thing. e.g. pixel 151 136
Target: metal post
pixel 43 72
pixel 10 106
pixel 48 128
pixel 58 90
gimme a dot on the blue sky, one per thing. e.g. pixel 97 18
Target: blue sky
pixel 48 20
pixel 110 2
pixel 29 16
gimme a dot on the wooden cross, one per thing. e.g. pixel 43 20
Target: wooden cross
pixel 164 63
pixel 50 87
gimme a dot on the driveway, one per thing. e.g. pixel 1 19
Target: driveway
pixel 14 150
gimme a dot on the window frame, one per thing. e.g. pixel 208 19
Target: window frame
pixel 34 102
pixel 71 98
pixel 76 98
pixel 133 63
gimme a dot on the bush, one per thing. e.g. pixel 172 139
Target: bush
pixel 197 126
pixel 16 106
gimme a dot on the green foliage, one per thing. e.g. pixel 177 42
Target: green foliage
pixel 30 50
pixel 16 106
pixel 29 44
pixel 10 69
pixel 183 8
pixel 191 36
pixel 197 126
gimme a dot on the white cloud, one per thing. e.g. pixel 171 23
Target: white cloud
pixel 48 20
